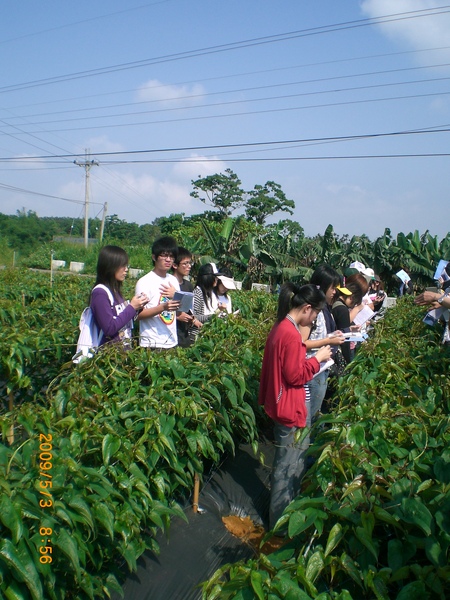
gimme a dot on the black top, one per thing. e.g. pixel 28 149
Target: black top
pixel 341 316
pixel 183 328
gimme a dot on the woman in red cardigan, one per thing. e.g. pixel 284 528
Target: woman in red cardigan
pixel 285 370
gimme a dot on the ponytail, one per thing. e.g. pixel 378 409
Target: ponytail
pixel 294 296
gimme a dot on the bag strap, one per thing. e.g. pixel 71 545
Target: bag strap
pixel 107 290
pixel 338 303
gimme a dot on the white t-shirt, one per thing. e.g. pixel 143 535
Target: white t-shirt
pixel 159 331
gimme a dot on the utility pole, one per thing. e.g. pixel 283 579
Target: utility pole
pixel 102 226
pixel 87 164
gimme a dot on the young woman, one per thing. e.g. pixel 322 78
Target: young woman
pixel 205 301
pixel 322 332
pixel 225 283
pixel 345 308
pixel 112 315
pixel 285 371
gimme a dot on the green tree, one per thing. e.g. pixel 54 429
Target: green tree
pixel 265 200
pixel 222 191
pixel 168 225
pixel 25 230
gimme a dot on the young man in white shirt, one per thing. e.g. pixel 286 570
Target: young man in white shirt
pixel 157 321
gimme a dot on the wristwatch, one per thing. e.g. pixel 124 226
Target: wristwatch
pixel 441 299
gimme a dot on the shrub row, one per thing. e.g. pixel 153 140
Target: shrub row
pixel 373 517
pixel 123 435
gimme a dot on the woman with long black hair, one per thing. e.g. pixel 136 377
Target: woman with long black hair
pixel 321 332
pixel 112 314
pixel 205 300
pixel 285 371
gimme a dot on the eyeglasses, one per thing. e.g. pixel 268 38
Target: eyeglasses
pixel 186 263
pixel 166 255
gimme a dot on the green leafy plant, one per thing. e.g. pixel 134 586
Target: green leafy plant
pixel 126 433
pixel 372 517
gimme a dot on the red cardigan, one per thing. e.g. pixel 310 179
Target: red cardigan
pixel 285 370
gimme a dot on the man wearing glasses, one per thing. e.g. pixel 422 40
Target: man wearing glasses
pixel 157 321
pixel 181 269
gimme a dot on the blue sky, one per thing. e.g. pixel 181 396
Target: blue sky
pixel 352 99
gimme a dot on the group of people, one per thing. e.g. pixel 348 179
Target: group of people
pixel 312 330
pixel 161 325
pixel 314 323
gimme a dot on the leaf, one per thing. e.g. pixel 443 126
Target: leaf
pixel 11 518
pixel 442 468
pixel 350 567
pixel 366 540
pixel 67 545
pixel 81 507
pixel 413 591
pixel 315 566
pixel 416 513
pixel 110 445
pixel 395 554
pixel 356 435
pixel 434 552
pixel 105 517
pixel 231 390
pixel 20 562
pixel 298 523
pixel 334 537
pixel 256 581
pixel 15 592
pixel 385 516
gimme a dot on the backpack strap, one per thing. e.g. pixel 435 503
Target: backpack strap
pixel 338 303
pixel 111 299
pixel 107 290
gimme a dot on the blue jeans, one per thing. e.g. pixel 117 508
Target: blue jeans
pixel 287 470
pixel 317 390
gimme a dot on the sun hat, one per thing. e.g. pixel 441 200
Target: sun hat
pixel 368 272
pixel 228 282
pixel 344 290
pixel 357 265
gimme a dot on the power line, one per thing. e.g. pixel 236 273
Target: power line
pixel 284 158
pixel 245 101
pixel 239 90
pixel 323 29
pixel 27 35
pixel 252 112
pixel 247 74
pixel 429 130
pixel 12 188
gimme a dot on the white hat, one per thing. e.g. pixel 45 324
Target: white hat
pixel 357 265
pixel 368 272
pixel 228 282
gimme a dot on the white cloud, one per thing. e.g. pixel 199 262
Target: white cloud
pixel 170 95
pixel 419 31
pixel 198 166
pixel 339 189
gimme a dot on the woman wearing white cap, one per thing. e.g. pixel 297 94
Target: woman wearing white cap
pixel 225 283
pixel 205 301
